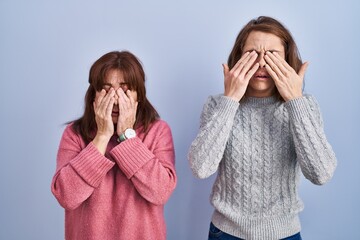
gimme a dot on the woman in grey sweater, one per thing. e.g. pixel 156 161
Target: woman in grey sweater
pixel 260 135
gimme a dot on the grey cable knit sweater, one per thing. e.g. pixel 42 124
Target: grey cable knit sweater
pixel 259 146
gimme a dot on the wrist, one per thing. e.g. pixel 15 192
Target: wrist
pixel 103 136
pixel 293 97
pixel 121 129
pixel 127 134
pixel 101 142
pixel 235 98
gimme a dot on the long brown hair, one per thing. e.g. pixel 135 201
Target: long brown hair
pixel 133 74
pixel 267 25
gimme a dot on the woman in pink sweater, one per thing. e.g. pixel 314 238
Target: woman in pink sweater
pixel 115 165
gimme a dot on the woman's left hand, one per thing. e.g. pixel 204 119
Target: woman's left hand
pixel 287 81
pixel 127 103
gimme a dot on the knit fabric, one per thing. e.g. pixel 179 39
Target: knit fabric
pixel 259 147
pixel 120 195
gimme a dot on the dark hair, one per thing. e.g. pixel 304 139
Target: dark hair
pixel 267 25
pixel 133 74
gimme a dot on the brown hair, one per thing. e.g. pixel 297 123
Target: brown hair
pixel 133 74
pixel 267 25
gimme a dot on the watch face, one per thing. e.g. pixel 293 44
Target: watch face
pixel 130 133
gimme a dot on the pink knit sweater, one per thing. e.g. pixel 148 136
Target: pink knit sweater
pixel 120 195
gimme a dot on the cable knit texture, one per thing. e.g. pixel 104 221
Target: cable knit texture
pixel 120 195
pixel 259 147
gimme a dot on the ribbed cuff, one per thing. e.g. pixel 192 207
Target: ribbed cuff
pixel 91 165
pixel 298 108
pixel 131 155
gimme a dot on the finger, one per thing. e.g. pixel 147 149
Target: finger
pixel 135 110
pixel 249 64
pixel 302 70
pixel 251 57
pixel 274 67
pixel 123 102
pixel 99 96
pixel 94 106
pixel 240 63
pixel 225 69
pixel 283 61
pixel 118 92
pixel 252 71
pixel 110 107
pixel 105 101
pixel 130 94
pixel 272 73
pixel 123 99
pixel 245 55
pixel 275 61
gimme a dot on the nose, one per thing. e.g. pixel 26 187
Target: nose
pixel 261 59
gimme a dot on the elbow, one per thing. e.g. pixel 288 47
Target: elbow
pixel 198 167
pixel 322 179
pixel 163 194
pixel 322 175
pixel 68 206
pixel 199 173
pixel 64 201
pixel 319 181
pixel 162 197
pixel 202 170
pixel 161 201
pixel 325 179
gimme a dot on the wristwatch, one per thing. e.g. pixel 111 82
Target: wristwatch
pixel 129 133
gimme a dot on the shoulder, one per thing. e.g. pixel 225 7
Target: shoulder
pixel 70 135
pixel 159 131
pixel 219 99
pixel 313 103
pixel 159 126
pixel 306 98
pixel 310 97
pixel 70 130
pixel 216 98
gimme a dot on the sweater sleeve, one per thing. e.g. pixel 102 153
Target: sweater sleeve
pixel 314 153
pixel 151 171
pixel 216 121
pixel 79 170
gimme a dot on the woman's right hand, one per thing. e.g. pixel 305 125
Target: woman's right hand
pixel 103 106
pixel 237 79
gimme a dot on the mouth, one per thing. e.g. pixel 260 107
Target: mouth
pixel 261 76
pixel 115 113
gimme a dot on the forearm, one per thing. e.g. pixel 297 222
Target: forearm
pixel 151 171
pixel 76 181
pixel 155 181
pixel 315 155
pixel 207 149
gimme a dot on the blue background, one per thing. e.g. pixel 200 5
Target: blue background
pixel 47 48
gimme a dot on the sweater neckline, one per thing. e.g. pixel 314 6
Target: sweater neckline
pixel 261 102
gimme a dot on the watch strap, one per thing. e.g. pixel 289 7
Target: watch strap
pixel 121 138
